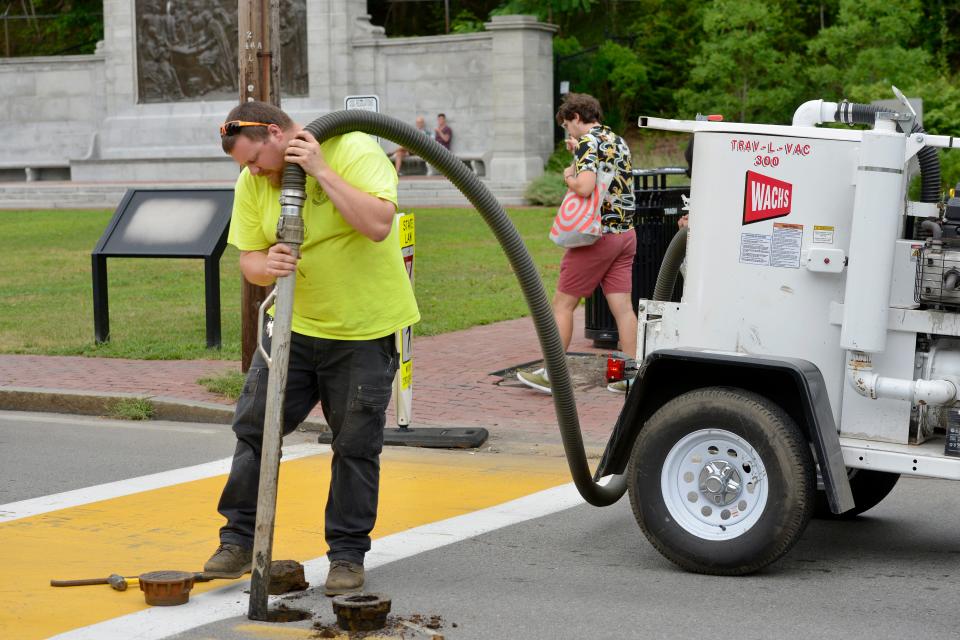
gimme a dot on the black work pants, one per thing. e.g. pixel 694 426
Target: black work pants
pixel 352 381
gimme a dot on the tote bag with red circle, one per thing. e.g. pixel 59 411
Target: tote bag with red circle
pixel 577 223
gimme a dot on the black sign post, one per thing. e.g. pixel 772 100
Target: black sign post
pixel 165 223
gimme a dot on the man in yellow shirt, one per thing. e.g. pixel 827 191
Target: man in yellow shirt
pixel 351 294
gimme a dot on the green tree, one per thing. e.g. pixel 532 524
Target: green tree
pixel 871 47
pixel 808 17
pixel 546 10
pixel 666 39
pixel 939 33
pixel 741 70
pixel 52 27
pixel 941 115
pixel 466 22
pixel 610 72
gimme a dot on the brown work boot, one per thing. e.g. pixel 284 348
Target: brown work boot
pixel 228 561
pixel 344 577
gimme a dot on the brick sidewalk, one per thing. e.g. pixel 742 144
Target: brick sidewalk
pixel 453 385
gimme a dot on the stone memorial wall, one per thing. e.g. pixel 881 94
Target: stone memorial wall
pixel 147 104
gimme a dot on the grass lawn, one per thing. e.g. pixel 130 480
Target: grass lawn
pixel 157 305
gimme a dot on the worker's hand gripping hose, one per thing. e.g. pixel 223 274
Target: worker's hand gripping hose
pixel 341 122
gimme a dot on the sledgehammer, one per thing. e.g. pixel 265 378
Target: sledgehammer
pixel 116 582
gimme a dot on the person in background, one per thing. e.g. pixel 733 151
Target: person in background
pixel 609 261
pixel 402 153
pixel 442 133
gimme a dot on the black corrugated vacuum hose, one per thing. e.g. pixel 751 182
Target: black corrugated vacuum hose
pixel 341 122
pixel 856 113
pixel 670 267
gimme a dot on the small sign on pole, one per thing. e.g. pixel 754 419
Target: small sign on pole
pixel 363 103
pixel 403 383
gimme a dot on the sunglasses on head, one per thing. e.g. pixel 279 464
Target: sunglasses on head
pixel 233 127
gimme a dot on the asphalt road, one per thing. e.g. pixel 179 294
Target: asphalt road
pixel 44 453
pixel 580 572
pixel 589 573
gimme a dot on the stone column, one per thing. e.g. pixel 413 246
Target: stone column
pixel 522 69
pixel 332 27
pixel 119 45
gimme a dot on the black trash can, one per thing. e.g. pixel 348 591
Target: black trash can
pixel 658 207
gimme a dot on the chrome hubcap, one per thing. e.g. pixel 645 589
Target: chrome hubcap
pixel 720 483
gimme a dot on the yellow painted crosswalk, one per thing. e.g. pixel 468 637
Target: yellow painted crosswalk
pixel 175 527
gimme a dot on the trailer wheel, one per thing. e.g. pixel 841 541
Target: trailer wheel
pixel 721 481
pixel 869 487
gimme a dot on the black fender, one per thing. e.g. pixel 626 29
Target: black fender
pixel 796 385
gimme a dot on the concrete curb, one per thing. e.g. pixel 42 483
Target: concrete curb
pixel 94 403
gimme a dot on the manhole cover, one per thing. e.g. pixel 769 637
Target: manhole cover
pixel 587 371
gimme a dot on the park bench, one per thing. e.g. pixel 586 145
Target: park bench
pixel 415 165
pixel 31 171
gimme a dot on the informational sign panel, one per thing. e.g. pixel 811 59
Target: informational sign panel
pixel 363 103
pixel 403 383
pixel 165 223
pixel 168 223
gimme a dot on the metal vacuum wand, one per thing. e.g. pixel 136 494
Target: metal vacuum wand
pixel 290 233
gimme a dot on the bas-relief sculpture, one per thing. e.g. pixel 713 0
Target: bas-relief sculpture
pixel 187 50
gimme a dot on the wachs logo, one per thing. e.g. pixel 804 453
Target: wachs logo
pixel 765 198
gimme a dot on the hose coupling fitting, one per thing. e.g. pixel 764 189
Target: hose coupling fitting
pixel 290 230
pixel 293 198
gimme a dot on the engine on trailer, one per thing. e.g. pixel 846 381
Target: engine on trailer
pixel 938 288
pixel 938 273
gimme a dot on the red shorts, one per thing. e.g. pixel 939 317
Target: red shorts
pixel 607 262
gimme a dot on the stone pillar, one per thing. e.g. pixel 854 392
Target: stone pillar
pixel 522 70
pixel 118 46
pixel 333 26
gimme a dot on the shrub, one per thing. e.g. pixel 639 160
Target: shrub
pixel 547 190
pixel 559 160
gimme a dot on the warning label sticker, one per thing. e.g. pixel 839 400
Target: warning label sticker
pixel 781 249
pixel 822 234
pixel 785 245
pixel 406 357
pixel 755 249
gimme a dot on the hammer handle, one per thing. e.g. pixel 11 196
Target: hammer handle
pixel 77 583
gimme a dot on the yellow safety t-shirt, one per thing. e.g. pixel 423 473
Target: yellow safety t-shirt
pixel 348 286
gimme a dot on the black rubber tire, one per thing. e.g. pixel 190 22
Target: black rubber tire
pixel 869 488
pixel 785 453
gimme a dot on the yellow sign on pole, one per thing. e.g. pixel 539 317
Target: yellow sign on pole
pixel 407 238
pixel 403 384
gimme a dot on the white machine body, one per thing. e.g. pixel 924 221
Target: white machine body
pixel 794 250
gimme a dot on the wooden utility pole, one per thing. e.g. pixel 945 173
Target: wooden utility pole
pixel 259 30
pixel 258 25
